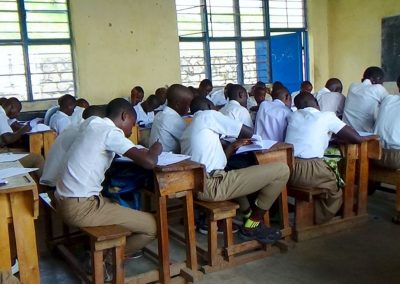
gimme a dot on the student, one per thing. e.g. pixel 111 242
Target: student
pixel 62 118
pixel 50 112
pixel 363 100
pixel 63 142
pixel 330 98
pixel 259 94
pixel 145 110
pixel 81 105
pixel 251 101
pixel 137 95
pixel 271 120
pixel 168 124
pixel 309 130
pixel 9 137
pixel 13 113
pixel 205 87
pixel 78 197
pixel 201 140
pixel 236 107
pixel 161 94
pixel 305 86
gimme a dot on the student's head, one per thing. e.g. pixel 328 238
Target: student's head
pixel 398 83
pixel 304 100
pixel 374 74
pixel 137 95
pixel 15 107
pixel 201 103
pixel 237 93
pixel 259 94
pixel 276 85
pixel 94 110
pixel 306 86
pixel 3 100
pixel 161 93
pixel 120 111
pixel 67 104
pixel 226 88
pixel 82 103
pixel 179 98
pixel 282 93
pixel 151 103
pixel 334 85
pixel 205 87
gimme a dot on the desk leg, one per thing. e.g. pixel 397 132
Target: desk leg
pixel 348 192
pixel 5 259
pixel 191 256
pixel 24 227
pixel 363 180
pixel 284 212
pixel 36 143
pixel 163 241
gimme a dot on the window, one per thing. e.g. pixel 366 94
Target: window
pixel 228 40
pixel 35 49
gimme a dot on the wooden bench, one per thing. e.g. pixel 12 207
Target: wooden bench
pixel 102 238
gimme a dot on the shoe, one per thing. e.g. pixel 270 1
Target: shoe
pixel 261 233
pixel 203 228
pixel 135 255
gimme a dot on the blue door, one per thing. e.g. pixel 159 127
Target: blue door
pixel 287 60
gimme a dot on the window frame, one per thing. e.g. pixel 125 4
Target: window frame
pixel 205 39
pixel 25 42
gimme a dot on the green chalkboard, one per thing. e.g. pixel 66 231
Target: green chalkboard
pixel 391 47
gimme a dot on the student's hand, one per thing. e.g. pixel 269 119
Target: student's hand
pixel 156 148
pixel 240 142
pixel 26 128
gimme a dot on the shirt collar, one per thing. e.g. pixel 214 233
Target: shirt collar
pixel 278 101
pixel 108 121
pixel 167 109
pixel 367 82
pixel 233 102
pixel 324 90
pixel 310 109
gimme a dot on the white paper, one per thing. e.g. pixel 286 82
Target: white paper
pixel 10 157
pixel 165 158
pixel 361 133
pixel 10 172
pixel 257 146
pixel 3 182
pixel 39 128
pixel 35 121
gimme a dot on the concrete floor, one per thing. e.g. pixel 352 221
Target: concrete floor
pixel 366 254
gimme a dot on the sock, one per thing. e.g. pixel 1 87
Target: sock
pixel 257 214
pixel 250 224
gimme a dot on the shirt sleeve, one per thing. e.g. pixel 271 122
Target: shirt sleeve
pixel 334 123
pixel 62 124
pixel 4 126
pixel 116 142
pixel 224 125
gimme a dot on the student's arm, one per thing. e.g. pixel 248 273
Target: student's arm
pixel 12 137
pixel 347 135
pixel 245 132
pixel 15 126
pixel 145 158
pixel 231 148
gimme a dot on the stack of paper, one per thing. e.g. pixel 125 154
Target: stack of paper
pixel 165 159
pixel 10 157
pixel 10 172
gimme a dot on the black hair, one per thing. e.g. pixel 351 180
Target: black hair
pixel 305 83
pixel 66 100
pixel 154 101
pixel 205 83
pixel 139 89
pixel 94 110
pixel 117 106
pixel 260 84
pixel 200 103
pixel 278 91
pixel 374 72
pixel 233 91
pixel 305 99
pixel 398 81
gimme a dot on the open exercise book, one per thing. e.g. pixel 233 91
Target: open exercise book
pixel 165 159
pixel 257 145
pixel 362 134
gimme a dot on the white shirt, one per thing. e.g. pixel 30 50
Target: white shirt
pixel 271 121
pixel 76 117
pixel 59 121
pixel 388 122
pixel 141 116
pixel 200 140
pixel 309 130
pixel 55 160
pixel 168 127
pixel 330 101
pixel 89 156
pixel 362 104
pixel 237 112
pixel 218 97
pixel 49 113
pixel 4 126
pixel 251 102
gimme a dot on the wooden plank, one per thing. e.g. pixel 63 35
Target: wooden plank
pixel 36 143
pixel 163 239
pixel 25 237
pixel 102 233
pixel 135 134
pixel 5 253
pixel 48 140
pixel 190 233
pixel 351 154
pixel 118 268
pixel 363 179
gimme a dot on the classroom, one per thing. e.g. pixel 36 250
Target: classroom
pixel 199 141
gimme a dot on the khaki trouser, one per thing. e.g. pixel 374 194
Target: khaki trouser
pixel 101 211
pixel 314 173
pixel 7 278
pixel 390 159
pixel 267 180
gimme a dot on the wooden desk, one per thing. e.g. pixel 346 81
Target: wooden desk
pixel 40 142
pixel 179 180
pixel 19 205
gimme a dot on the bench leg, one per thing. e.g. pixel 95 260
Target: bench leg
pixel 97 266
pixel 118 265
pixel 304 214
pixel 212 242
pixel 228 236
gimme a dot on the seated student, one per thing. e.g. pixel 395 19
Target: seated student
pixel 161 94
pixel 62 118
pixel 259 94
pixel 63 142
pixel 330 98
pixel 13 113
pixel 145 110
pixel 137 95
pixel 236 107
pixel 81 105
pixel 309 130
pixel 9 137
pixel 168 124
pixel 267 181
pixel 251 101
pixel 78 197
pixel 305 86
pixel 205 88
pixel 271 120
pixel 363 100
pixel 50 112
